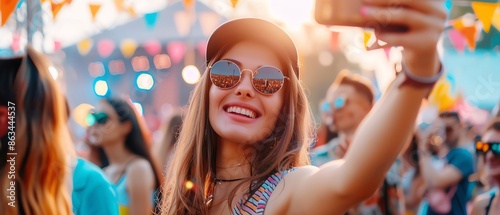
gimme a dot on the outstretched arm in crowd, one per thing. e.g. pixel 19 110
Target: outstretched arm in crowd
pixel 382 134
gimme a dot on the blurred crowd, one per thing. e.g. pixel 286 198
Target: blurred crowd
pixel 448 166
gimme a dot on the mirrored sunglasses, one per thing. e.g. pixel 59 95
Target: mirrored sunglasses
pixel 267 80
pixel 337 103
pixel 97 118
pixel 485 147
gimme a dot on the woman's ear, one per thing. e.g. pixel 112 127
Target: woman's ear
pixel 126 127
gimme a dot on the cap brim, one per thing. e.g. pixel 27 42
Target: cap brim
pixel 253 29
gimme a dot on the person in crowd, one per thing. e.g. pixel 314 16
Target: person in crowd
pixel 243 146
pixel 163 150
pixel 445 168
pixel 488 148
pixel 412 181
pixel 352 98
pixel 49 179
pixel 117 128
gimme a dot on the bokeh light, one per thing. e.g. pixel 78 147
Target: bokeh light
pixel 145 81
pixel 101 88
pixel 189 185
pixel 80 114
pixel 191 74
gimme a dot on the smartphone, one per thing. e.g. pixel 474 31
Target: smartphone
pixel 348 13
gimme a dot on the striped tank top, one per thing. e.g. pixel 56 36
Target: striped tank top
pixel 258 201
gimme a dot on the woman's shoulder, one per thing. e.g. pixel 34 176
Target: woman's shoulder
pixel 481 202
pixel 139 165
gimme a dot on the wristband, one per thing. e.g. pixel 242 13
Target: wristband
pixel 417 81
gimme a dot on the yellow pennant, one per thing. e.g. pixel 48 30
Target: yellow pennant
pixel 366 38
pixel 128 47
pixel 234 3
pixel 56 7
pixel 84 46
pixel 496 18
pixel 484 12
pixel 94 8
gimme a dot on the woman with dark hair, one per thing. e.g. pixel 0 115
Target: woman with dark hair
pixel 121 133
pixel 163 150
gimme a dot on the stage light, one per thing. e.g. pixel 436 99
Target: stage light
pixel 145 81
pixel 191 74
pixel 101 88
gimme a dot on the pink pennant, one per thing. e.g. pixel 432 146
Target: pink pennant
pixel 105 48
pixel 152 47
pixel 457 40
pixel 16 45
pixel 387 52
pixel 202 48
pixel 57 45
pixel 176 51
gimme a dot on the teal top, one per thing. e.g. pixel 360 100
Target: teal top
pixel 93 193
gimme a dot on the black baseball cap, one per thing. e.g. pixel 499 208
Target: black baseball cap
pixel 254 29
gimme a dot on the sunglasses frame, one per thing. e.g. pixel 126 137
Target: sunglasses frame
pixel 253 76
pixel 490 146
pixel 99 120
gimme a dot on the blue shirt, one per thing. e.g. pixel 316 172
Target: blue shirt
pixel 93 193
pixel 462 160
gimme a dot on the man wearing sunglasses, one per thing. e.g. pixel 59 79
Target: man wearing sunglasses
pixel 488 148
pixel 349 99
pixel 444 165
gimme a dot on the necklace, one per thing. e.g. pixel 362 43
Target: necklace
pixel 216 180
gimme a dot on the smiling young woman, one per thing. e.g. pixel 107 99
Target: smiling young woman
pixel 243 146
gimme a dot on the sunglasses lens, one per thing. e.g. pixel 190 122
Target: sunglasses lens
pixel 225 74
pixel 101 118
pixel 268 80
pixel 495 148
pixel 339 102
pixel 325 106
pixel 90 119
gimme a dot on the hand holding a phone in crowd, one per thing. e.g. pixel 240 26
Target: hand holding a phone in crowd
pixel 424 21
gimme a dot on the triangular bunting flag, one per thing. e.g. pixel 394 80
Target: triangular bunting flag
pixel 387 52
pixel 470 34
pixel 188 3
pixel 68 1
pixel 152 47
pixel 57 45
pixel 56 7
pixel 366 38
pixel 6 10
pixel 119 5
pixel 496 18
pixel 458 24
pixel 105 48
pixel 16 43
pixel 484 12
pixel 94 8
pixel 128 47
pixel 131 11
pixel 176 51
pixel 457 40
pixel 84 46
pixel 151 19
pixel 209 21
pixel 334 41
pixel 183 22
pixel 234 3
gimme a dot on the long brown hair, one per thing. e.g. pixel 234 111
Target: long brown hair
pixel 194 160
pixel 43 143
